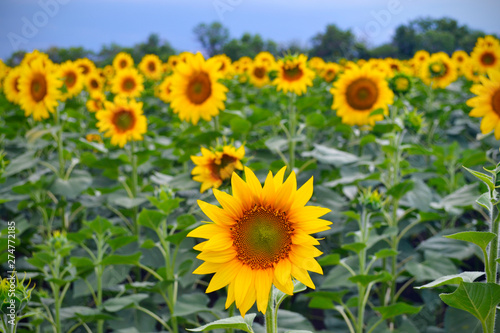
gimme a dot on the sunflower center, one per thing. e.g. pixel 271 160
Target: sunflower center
pixel 94 84
pixel 402 84
pixel 488 58
pixel 259 72
pixel 38 87
pixel 70 79
pixel 437 69
pixel 292 73
pixel 128 84
pixel 199 88
pixel 123 120
pixel 15 83
pixel 495 102
pixel 362 94
pixel 460 59
pixel 151 66
pixel 123 63
pixel 262 237
pixel 225 168
pixel 85 69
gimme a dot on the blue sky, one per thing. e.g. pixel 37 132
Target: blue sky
pixel 39 24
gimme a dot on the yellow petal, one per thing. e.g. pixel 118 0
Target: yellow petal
pixel 230 204
pixel 282 271
pixel 206 231
pixel 302 275
pixel 253 183
pixel 242 285
pixel 230 295
pixel 303 194
pixel 241 192
pixel 219 242
pixel 263 283
pixel 218 256
pixel 224 276
pixel 286 193
pixel 216 214
pixel 207 268
pixel 307 213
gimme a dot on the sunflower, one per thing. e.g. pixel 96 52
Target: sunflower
pixel 37 55
pixel 418 60
pixel 122 120
pixel 164 89
pixel 127 82
pixel 151 66
pixel 11 85
pixel 293 75
pixel 486 56
pixel 258 73
pixel 86 65
pixel 173 60
pixel 223 63
pixel 460 58
pixel 438 71
pixel 358 92
pixel 72 78
pixel 400 83
pixel 122 61
pixel 259 238
pixel 216 165
pixel 265 58
pixel 96 102
pixel 195 91
pixel 92 137
pixel 94 84
pixel 487 103
pixel 471 72
pixel 316 64
pixel 330 71
pixel 4 70
pixel 39 89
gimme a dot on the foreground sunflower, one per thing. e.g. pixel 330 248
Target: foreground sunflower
pixel 259 238
pixel 195 91
pixel 216 165
pixel 487 103
pixel 164 89
pixel 293 75
pixel 122 120
pixel 358 92
pixel 86 65
pixel 39 90
pixel 258 74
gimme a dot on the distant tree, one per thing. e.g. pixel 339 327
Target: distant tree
pixel 434 35
pixel 292 47
pixel 384 51
pixel 334 44
pixel 15 58
pixel 60 55
pixel 212 37
pixel 153 45
pixel 249 45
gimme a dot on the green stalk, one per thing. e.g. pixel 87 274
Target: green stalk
pixel 292 130
pixel 489 325
pixel 99 271
pixel 362 266
pixel 55 291
pixel 133 160
pixel 271 314
pixel 60 150
pixel 172 288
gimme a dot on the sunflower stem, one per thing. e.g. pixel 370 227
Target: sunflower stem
pixel 216 129
pixel 271 314
pixel 133 160
pixel 291 130
pixel 60 150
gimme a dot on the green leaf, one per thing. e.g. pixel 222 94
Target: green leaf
pixel 485 201
pixel 483 177
pixel 151 218
pixel 237 322
pixel 324 299
pixel 126 202
pixel 377 112
pixel 397 309
pixel 385 253
pixel 479 299
pixel 81 262
pixel 191 303
pixel 398 190
pixel 240 125
pixel 79 181
pixel 329 260
pixel 121 241
pixel 463 197
pixel 331 156
pixel 365 280
pixel 116 259
pixel 185 220
pixel 355 247
pixel 431 269
pixel 99 225
pixel 317 120
pixel 165 204
pixel 20 163
pixel 118 303
pixel 452 279
pixel 480 238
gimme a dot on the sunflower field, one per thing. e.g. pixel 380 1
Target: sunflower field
pixel 269 194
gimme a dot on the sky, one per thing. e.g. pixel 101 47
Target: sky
pixel 40 24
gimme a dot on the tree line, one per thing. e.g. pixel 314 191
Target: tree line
pixel 433 35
